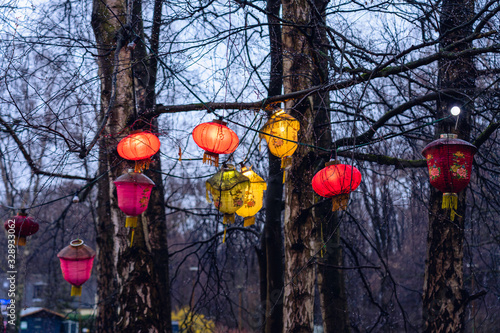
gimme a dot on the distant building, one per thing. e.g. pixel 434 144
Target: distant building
pixel 40 320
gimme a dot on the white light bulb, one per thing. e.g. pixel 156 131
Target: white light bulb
pixel 455 110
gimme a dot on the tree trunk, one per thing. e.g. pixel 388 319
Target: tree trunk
pixel 444 298
pixel 301 71
pixel 133 281
pixel 272 229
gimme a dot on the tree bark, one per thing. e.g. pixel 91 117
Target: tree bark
pixel 133 282
pixel 444 298
pixel 301 71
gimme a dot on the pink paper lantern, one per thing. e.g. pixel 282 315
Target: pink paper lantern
pixel 134 190
pixel 76 264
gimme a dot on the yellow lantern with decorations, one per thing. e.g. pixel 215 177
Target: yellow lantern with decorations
pixel 280 133
pixel 254 196
pixel 227 190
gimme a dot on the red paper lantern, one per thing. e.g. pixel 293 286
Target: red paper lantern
pixel 139 147
pixel 76 264
pixel 133 190
pixel 23 226
pixel 215 138
pixel 336 181
pixel 449 161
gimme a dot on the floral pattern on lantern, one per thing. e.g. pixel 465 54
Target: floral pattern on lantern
pixel 24 226
pixel 253 198
pixel 449 161
pixel 227 189
pixel 215 138
pixel 133 191
pixel 139 147
pixel 336 181
pixel 76 264
pixel 280 132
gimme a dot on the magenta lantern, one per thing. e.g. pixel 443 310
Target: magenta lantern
pixel 134 190
pixel 76 264
pixel 21 226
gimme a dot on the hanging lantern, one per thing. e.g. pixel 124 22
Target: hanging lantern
pixel 254 195
pixel 336 181
pixel 76 264
pixel 23 226
pixel 279 129
pixel 215 138
pixel 449 161
pixel 133 190
pixel 139 147
pixel 227 188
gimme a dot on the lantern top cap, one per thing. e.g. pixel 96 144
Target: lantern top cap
pixel 448 136
pixel 219 121
pixel 76 242
pixel 227 178
pixel 332 162
pixel 134 177
pixel 76 252
pixel 449 139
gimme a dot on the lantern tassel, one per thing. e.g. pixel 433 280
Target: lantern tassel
pixel 76 291
pixel 248 221
pixel 450 201
pixel 224 237
pixel 180 154
pixel 131 222
pixel 228 219
pixel 142 165
pixel 339 202
pixel 21 241
pixel 286 161
pixel 132 237
pixel 211 158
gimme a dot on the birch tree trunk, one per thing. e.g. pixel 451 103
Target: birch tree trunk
pixel 133 282
pixel 444 298
pixel 301 70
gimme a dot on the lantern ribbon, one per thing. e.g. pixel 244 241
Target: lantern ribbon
pixel 450 201
pixel 224 237
pixel 76 291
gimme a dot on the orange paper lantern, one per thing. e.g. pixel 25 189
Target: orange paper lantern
pixel 139 147
pixel 215 138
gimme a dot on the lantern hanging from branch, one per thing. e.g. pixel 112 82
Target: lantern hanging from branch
pixel 215 138
pixel 133 190
pixel 76 264
pixel 336 181
pixel 449 161
pixel 227 189
pixel 139 147
pixel 254 196
pixel 280 133
pixel 22 226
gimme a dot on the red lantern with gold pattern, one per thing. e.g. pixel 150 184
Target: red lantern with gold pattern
pixel 336 181
pixel 215 138
pixel 449 161
pixel 139 147
pixel 22 226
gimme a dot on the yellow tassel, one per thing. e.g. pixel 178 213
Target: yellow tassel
pixel 21 241
pixel 211 158
pixel 248 221
pixel 286 161
pixel 339 202
pixel 224 237
pixel 76 291
pixel 131 222
pixel 450 201
pixel 132 237
pixel 228 219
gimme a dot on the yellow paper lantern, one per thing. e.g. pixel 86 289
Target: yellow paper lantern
pixel 227 189
pixel 280 128
pixel 254 196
